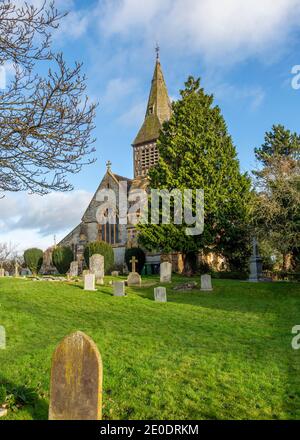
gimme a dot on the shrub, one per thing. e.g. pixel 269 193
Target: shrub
pixel 62 257
pixel 231 275
pixel 139 254
pixel 34 259
pixel 101 248
pixel 3 394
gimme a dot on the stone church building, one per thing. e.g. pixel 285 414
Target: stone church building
pixel 145 156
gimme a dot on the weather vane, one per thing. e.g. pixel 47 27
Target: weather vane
pixel 157 50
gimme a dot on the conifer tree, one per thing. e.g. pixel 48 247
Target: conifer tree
pixel 196 152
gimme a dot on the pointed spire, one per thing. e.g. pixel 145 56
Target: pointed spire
pixel 158 109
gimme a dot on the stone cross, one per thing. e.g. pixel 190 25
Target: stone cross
pixel 133 262
pixel 76 380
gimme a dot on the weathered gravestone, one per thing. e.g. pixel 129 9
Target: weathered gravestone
pixel 2 338
pixel 74 269
pixel 97 266
pixel 160 294
pixel 206 285
pixel 2 273
pixel 76 380
pixel 16 269
pixel 115 273
pixel 255 264
pixel 134 278
pixel 119 288
pixel 165 272
pixel 89 282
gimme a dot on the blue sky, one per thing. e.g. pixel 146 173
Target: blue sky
pixel 243 51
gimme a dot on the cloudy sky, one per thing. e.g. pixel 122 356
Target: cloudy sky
pixel 244 52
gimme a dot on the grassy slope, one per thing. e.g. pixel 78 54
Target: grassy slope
pixel 200 356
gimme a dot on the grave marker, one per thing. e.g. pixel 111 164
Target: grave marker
pixel 76 380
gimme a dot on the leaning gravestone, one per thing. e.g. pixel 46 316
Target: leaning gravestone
pixel 165 272
pixel 74 269
pixel 89 282
pixel 2 273
pixel 160 294
pixel 206 285
pixel 119 288
pixel 76 380
pixel 97 266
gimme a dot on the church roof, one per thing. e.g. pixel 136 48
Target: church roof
pixel 159 108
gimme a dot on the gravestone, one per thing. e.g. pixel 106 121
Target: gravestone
pixel 74 269
pixel 165 272
pixel 134 278
pixel 89 282
pixel 85 272
pixel 255 264
pixel 16 269
pixel 101 281
pixel 115 273
pixel 76 380
pixel 7 274
pixel 97 266
pixel 206 285
pixel 119 288
pixel 2 338
pixel 160 294
pixel 2 273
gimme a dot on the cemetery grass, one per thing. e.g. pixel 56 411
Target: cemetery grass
pixel 220 355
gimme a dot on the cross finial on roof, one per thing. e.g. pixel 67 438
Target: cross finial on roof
pixel 108 165
pixel 157 50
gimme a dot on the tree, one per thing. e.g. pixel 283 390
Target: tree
pixel 34 259
pixel 62 258
pixel 276 210
pixel 46 122
pixel 196 152
pixel 8 251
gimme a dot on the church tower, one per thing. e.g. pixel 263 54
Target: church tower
pixel 158 111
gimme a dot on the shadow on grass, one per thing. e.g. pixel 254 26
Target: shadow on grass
pixel 23 397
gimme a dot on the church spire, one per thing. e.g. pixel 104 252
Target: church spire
pixel 158 109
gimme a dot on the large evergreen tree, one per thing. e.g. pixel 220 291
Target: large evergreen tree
pixel 196 152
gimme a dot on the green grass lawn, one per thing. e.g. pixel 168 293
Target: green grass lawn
pixel 219 355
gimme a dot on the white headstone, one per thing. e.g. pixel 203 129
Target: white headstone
pixel 89 282
pixel 74 269
pixel 160 294
pixel 2 338
pixel 206 285
pixel 119 288
pixel 2 273
pixel 165 272
pixel 97 266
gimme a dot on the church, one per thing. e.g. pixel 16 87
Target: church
pixel 145 156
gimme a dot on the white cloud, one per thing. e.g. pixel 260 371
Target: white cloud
pixel 134 116
pixel 31 220
pixel 220 30
pixel 117 89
